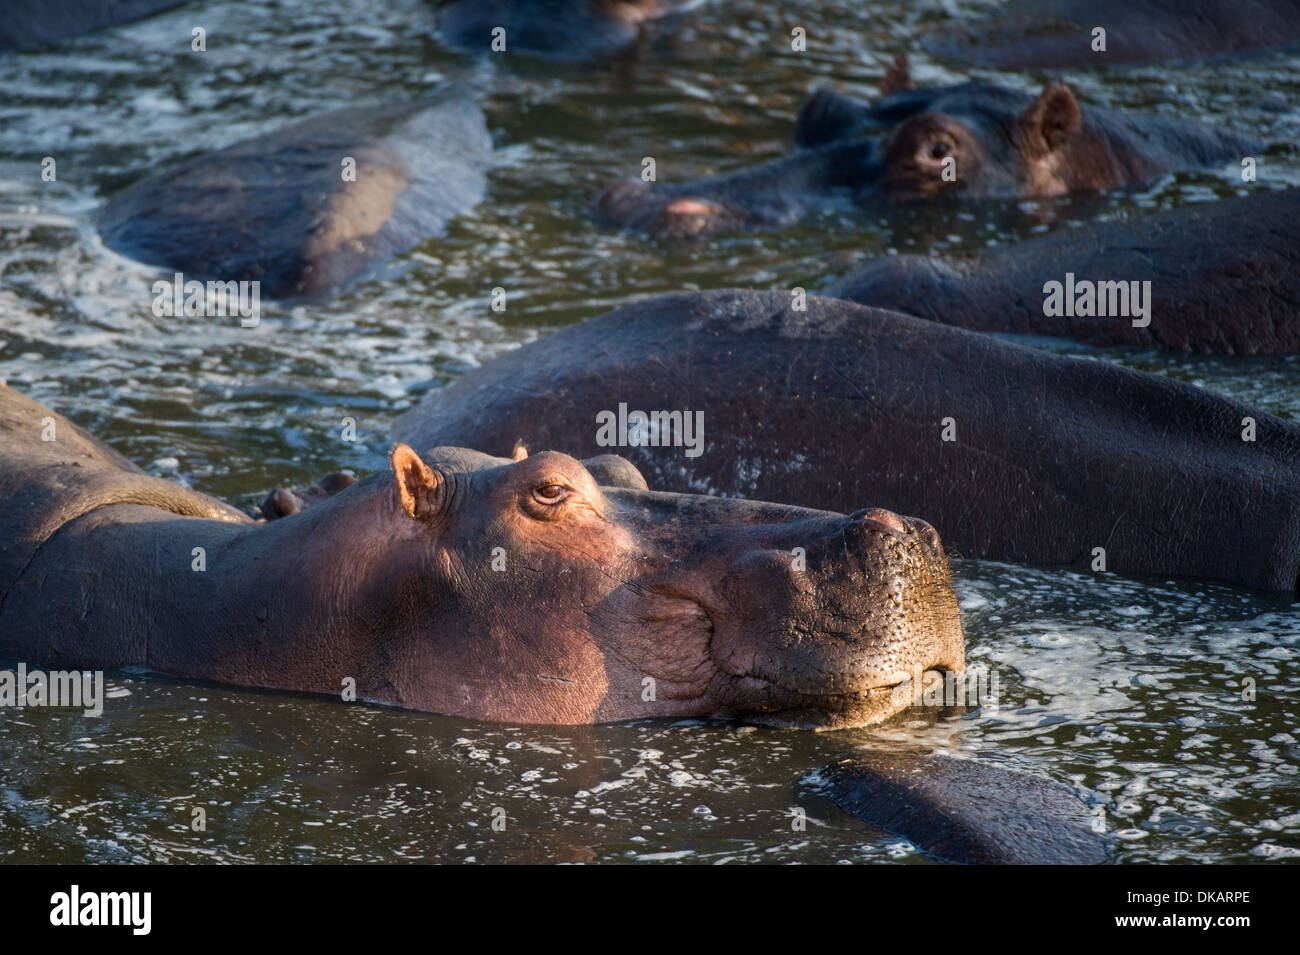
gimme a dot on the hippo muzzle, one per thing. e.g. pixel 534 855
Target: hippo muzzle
pixel 813 619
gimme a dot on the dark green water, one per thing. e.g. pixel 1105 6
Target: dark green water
pixel 1128 688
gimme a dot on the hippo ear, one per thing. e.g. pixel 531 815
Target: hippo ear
pixel 418 485
pixel 897 77
pixel 520 452
pixel 1049 123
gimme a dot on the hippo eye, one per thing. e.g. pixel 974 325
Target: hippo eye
pixel 939 149
pixel 550 493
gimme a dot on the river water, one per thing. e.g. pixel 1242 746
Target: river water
pixel 1129 689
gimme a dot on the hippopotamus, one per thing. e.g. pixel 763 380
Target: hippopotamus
pixel 1059 34
pixel 555 29
pixel 1010 452
pixel 57 21
pixel 309 206
pixel 969 140
pixel 1215 277
pixel 535 588
pixel 967 812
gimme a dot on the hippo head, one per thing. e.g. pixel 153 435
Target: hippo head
pixel 971 139
pixel 548 590
pixel 976 139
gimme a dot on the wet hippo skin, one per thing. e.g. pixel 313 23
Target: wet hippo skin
pixel 966 141
pixel 967 812
pixel 1052 458
pixel 1057 34
pixel 1224 279
pixel 39 22
pixel 277 209
pixel 514 589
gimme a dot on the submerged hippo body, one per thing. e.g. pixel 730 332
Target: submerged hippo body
pixel 1049 457
pixel 1223 278
pixel 1058 34
pixel 280 209
pixel 967 812
pixel 972 140
pixel 555 29
pixel 41 22
pixel 482 587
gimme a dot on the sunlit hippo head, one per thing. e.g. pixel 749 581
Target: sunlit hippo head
pixel 975 139
pixel 548 590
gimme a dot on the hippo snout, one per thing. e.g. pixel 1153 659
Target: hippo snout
pixel 641 207
pixel 824 620
pixel 904 527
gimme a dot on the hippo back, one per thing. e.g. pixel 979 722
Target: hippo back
pixel 51 471
pixel 277 209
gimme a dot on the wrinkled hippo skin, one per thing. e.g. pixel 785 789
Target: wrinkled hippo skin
pixel 276 209
pixel 41 22
pixel 966 812
pixel 554 29
pixel 1052 457
pixel 1225 279
pixel 489 588
pixel 971 140
pixel 1057 34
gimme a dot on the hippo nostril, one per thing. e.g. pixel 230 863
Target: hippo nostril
pixel 879 515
